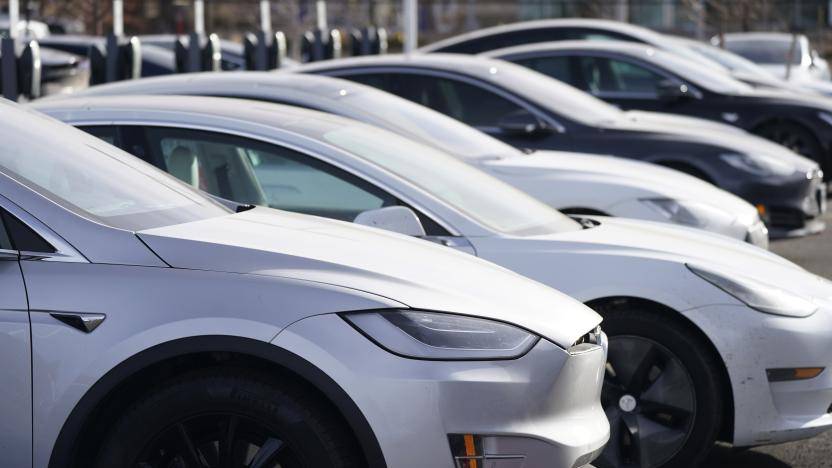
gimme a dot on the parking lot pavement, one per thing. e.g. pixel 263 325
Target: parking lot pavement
pixel 815 254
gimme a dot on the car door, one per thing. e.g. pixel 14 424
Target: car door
pixel 16 351
pixel 479 105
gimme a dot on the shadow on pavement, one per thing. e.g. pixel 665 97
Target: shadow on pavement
pixel 728 457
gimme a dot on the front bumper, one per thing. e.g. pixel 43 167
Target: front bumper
pixel 793 207
pixel 543 408
pixel 750 342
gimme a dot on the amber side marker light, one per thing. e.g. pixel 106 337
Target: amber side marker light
pixel 467 450
pixel 793 373
pixel 761 209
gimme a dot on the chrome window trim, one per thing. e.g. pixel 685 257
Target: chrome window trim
pixel 306 152
pixel 64 252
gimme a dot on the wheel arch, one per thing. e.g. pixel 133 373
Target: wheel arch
pixel 90 414
pixel 604 304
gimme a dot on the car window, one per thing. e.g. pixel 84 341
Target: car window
pixel 20 236
pixel 605 75
pixel 767 51
pixel 465 102
pixel 248 171
pixel 106 133
pixel 558 67
pixel 93 179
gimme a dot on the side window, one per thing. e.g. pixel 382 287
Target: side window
pixel 103 132
pixel 248 171
pixel 20 237
pixel 471 104
pixel 606 75
pixel 557 67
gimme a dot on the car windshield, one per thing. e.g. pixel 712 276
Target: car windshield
pixel 551 94
pixel 773 51
pixel 93 179
pixel 424 125
pixel 486 200
pixel 708 78
pixel 730 60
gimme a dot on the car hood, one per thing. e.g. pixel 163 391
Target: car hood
pixel 635 178
pixel 673 121
pixel 666 128
pixel 413 272
pixel 620 236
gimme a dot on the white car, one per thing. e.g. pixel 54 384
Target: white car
pixel 143 325
pixel 570 182
pixel 709 337
pixel 773 51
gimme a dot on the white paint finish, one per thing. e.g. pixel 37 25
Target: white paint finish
pixel 118 18
pixel 410 17
pixel 15 384
pixel 414 404
pixel 199 16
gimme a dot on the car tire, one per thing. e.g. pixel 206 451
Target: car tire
pixel 225 418
pixel 662 391
pixel 795 137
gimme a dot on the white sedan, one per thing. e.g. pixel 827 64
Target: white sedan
pixel 572 183
pixel 698 323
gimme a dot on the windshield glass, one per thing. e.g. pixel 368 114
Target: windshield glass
pixel 424 125
pixel 554 95
pixel 730 60
pixel 92 178
pixel 483 198
pixel 767 51
pixel 705 77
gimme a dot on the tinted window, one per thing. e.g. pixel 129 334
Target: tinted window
pixel 106 133
pixel 471 104
pixel 602 74
pixel 21 236
pixel 557 67
pixel 248 171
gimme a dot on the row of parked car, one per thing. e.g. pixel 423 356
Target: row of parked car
pixel 513 272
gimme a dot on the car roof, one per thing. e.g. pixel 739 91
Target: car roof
pixel 296 120
pixel 478 66
pixel 627 48
pixel 637 32
pixel 761 36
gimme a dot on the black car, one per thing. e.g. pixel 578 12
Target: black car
pixel 635 76
pixel 156 61
pixel 532 111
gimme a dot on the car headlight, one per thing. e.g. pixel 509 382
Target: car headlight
pixel 759 164
pixel 757 295
pixel 678 212
pixel 442 336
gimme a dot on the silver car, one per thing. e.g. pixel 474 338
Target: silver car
pixel 144 325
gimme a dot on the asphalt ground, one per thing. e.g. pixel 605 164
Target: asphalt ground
pixel 815 254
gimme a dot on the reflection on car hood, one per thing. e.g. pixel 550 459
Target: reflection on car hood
pixel 666 126
pixel 414 272
pixel 620 236
pixel 624 178
pixel 673 121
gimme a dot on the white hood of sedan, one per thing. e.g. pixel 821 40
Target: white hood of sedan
pixel 587 176
pixel 416 273
pixel 696 247
pixel 675 120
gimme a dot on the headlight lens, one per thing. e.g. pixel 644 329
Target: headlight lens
pixel 759 296
pixel 677 212
pixel 759 164
pixel 440 336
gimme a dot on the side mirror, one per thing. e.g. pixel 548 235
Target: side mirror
pixel 669 90
pixel 399 219
pixel 522 123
